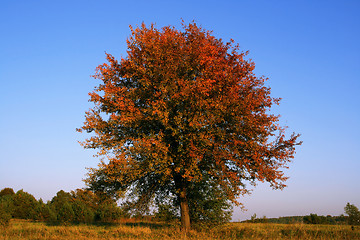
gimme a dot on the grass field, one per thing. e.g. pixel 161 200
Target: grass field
pixel 20 229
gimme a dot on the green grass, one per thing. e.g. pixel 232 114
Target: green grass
pixel 20 229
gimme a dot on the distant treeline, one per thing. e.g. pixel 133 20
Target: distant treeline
pixel 308 219
pixel 352 218
pixel 79 206
pixel 311 219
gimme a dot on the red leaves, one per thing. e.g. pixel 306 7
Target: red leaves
pixel 184 102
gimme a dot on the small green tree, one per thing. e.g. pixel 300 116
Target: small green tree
pixel 354 214
pixel 65 214
pixel 82 212
pixel 253 218
pixel 6 210
pixel 25 205
pixel 108 211
pixel 7 191
pixel 7 204
pixel 60 199
pixel 89 198
pixel 61 204
pixel 47 213
pixel 312 219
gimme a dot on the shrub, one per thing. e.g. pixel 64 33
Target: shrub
pixel 65 213
pixel 6 192
pixel 108 212
pixel 5 212
pixel 82 212
pixel 7 204
pixel 45 213
pixel 25 205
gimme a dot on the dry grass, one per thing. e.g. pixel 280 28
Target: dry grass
pixel 36 230
pixel 288 231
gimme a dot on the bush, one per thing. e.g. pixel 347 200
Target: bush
pixel 82 212
pixel 65 214
pixel 6 206
pixel 87 197
pixel 7 192
pixel 45 213
pixel 60 199
pixel 108 212
pixel 25 205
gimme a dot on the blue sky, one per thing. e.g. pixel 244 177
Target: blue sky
pixel 309 50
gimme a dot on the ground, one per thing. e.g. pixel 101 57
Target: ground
pixel 20 229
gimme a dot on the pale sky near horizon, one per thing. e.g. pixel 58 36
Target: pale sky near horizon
pixel 309 50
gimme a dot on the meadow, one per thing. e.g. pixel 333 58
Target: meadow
pixel 25 229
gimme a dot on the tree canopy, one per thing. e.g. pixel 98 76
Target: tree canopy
pixel 181 107
pixel 354 214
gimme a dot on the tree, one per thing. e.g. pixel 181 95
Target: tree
pixel 315 219
pixel 7 191
pixel 108 211
pixel 25 205
pixel 82 212
pixel 45 212
pixel 87 197
pixel 60 199
pixel 61 205
pixel 183 106
pixel 65 214
pixel 6 209
pixel 6 204
pixel 354 214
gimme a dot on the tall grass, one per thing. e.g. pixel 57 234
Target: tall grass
pixel 20 229
pixel 288 231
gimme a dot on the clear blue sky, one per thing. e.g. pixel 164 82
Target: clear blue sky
pixel 309 50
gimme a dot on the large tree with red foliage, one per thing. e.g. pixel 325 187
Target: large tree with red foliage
pixel 181 107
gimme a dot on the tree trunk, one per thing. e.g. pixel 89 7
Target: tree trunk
pixel 184 204
pixel 185 212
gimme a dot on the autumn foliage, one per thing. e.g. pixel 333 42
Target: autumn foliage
pixel 181 107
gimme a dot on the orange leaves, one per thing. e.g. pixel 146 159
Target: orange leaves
pixel 184 104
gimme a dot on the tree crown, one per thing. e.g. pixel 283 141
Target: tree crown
pixel 184 106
